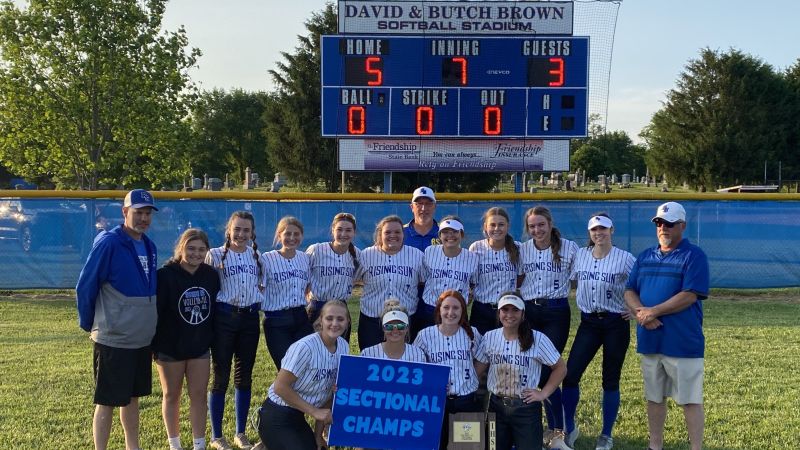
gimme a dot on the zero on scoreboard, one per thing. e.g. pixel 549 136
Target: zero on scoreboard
pixel 454 86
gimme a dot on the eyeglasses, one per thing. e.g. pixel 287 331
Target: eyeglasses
pixel 394 326
pixel 665 224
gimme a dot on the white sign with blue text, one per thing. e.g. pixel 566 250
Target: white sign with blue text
pixel 382 403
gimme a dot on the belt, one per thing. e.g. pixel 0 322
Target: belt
pixel 548 302
pixel 458 397
pixel 508 401
pixel 227 307
pixel 600 315
pixel 281 312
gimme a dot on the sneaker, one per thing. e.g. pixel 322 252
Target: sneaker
pixel 241 441
pixel 557 442
pixel 220 444
pixel 572 436
pixel 259 446
pixel 604 443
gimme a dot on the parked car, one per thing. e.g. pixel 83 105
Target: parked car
pixel 34 223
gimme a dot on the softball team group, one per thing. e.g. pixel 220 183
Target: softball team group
pixel 414 307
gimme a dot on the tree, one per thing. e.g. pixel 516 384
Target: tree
pixel 93 92
pixel 609 153
pixel 727 115
pixel 228 134
pixel 293 126
pixel 790 159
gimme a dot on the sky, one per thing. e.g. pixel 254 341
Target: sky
pixel 242 39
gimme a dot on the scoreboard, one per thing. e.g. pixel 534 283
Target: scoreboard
pixel 454 86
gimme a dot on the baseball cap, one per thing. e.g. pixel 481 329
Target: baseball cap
pixel 511 299
pixel 671 212
pixel 452 224
pixel 139 198
pixel 599 221
pixel 395 315
pixel 423 191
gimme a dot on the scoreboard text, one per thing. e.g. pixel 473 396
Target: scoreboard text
pixel 454 86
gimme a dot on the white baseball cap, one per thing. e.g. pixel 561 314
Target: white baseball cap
pixel 423 191
pixel 511 299
pixel 599 221
pixel 395 315
pixel 452 224
pixel 671 212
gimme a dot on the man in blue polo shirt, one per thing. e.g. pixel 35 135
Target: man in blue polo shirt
pixel 665 292
pixel 421 233
pixel 423 230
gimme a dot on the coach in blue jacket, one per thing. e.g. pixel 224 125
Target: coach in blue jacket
pixel 116 295
pixel 665 291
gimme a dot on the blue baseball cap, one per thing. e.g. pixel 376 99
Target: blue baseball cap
pixel 139 198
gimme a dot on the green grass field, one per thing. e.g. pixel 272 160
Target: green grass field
pixel 752 387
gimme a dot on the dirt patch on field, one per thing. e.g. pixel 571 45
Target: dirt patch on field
pixel 44 295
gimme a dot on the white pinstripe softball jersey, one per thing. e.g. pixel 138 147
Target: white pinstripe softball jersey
pixel 411 353
pixel 496 273
pixel 510 369
pixel 238 276
pixel 543 277
pixel 387 276
pixel 601 282
pixel 315 368
pixel 456 352
pixel 285 281
pixel 331 273
pixel 441 272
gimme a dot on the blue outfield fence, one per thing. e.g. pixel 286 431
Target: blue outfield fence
pixel 750 244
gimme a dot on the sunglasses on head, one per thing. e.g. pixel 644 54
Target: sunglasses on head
pixel 394 326
pixel 665 224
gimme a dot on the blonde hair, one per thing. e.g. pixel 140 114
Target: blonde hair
pixel 191 234
pixel 283 224
pixel 393 304
pixel 510 245
pixel 330 304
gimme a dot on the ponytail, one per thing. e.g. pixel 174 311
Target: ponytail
pixel 555 245
pixel 225 252
pixel 525 334
pixel 352 250
pixel 257 257
pixel 512 250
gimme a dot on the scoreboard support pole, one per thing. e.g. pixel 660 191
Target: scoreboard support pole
pixel 518 182
pixel 387 182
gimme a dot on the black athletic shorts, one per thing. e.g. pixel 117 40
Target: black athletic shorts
pixel 121 373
